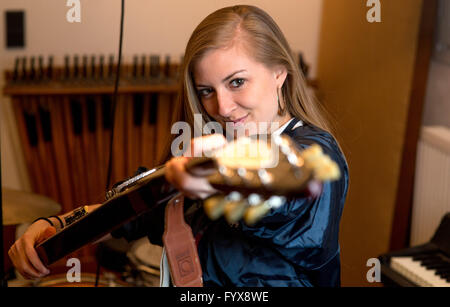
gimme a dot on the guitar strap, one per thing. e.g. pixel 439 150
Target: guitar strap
pixel 180 247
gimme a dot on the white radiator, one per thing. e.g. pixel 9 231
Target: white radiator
pixel 432 183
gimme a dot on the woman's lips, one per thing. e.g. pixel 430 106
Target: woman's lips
pixel 238 122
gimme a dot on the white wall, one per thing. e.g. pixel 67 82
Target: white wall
pixel 155 26
pixel 150 26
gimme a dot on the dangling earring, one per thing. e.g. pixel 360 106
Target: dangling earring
pixel 281 111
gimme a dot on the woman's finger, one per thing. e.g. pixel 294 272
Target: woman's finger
pixel 190 186
pixel 34 259
pixel 24 265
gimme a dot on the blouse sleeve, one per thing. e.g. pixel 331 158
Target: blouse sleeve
pixel 304 230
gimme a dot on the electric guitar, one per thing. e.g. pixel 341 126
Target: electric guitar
pixel 252 175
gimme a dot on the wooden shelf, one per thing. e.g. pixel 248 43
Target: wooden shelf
pixel 85 89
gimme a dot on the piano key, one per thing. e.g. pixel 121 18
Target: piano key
pixel 431 261
pixel 443 274
pixel 441 265
pixel 443 270
pixel 425 257
pixel 435 266
pixel 417 273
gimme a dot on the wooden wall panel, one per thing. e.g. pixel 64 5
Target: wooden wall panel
pixel 365 76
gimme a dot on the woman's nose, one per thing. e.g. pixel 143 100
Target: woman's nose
pixel 225 103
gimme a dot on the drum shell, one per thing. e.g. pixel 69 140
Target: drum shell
pixel 86 280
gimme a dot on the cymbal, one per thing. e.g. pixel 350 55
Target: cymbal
pixel 24 207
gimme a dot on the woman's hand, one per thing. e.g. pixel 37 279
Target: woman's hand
pixel 23 254
pixel 176 174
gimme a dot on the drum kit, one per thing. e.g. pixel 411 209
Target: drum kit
pixel 21 207
pixel 144 260
pixel 141 257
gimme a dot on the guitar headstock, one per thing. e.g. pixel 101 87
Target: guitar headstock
pixel 256 175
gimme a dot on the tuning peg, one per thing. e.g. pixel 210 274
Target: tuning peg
pixel 284 143
pixel 248 177
pixel 229 176
pixel 288 148
pixel 326 169
pixel 257 209
pixel 235 207
pixel 254 213
pixel 264 176
pixel 214 206
pixel 254 199
pixel 295 160
pixel 235 210
pixel 276 201
pixel 312 156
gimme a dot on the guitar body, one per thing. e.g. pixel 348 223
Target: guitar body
pixel 144 195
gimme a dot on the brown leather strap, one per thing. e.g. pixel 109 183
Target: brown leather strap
pixel 181 250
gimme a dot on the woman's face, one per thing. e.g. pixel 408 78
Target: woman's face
pixel 237 91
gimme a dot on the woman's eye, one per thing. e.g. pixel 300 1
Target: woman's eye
pixel 237 82
pixel 204 92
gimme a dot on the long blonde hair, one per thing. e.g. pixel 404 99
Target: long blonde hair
pixel 263 40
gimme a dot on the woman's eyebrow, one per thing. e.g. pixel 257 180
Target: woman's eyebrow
pixel 201 85
pixel 231 75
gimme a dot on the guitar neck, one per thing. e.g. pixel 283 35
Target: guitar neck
pixel 123 207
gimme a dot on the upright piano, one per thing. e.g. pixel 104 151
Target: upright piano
pixel 426 265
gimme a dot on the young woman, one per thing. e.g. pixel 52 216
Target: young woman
pixel 239 71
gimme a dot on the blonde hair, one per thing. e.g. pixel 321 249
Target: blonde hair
pixel 265 42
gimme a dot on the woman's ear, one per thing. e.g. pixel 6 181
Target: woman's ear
pixel 280 74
